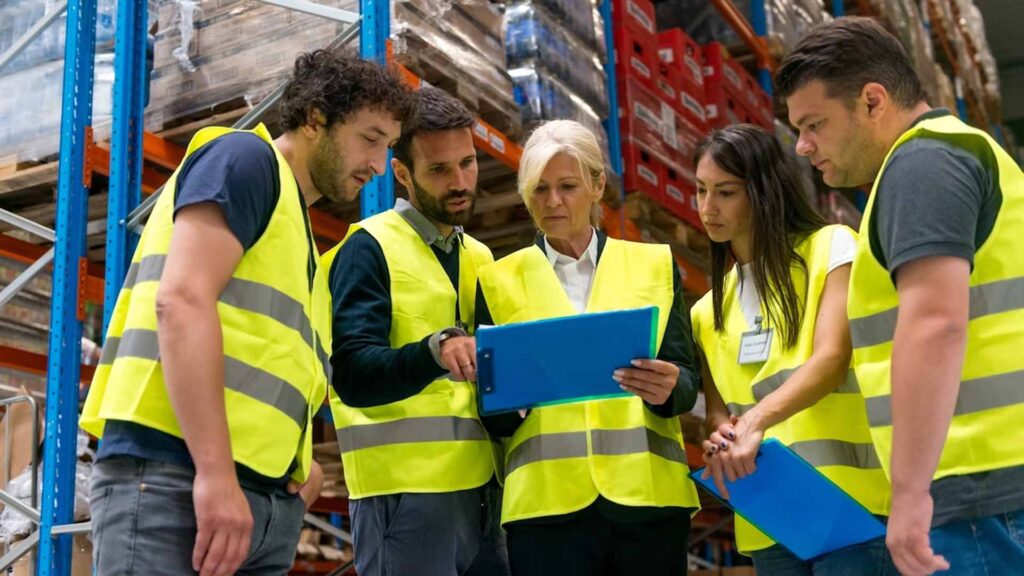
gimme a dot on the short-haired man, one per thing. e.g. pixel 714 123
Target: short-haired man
pixel 216 355
pixel 936 299
pixel 418 463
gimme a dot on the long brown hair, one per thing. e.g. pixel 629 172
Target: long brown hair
pixel 780 217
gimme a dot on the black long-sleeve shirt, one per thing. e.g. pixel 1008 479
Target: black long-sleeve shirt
pixel 367 371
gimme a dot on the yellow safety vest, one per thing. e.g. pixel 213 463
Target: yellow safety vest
pixel 832 435
pixel 563 457
pixel 986 432
pixel 276 331
pixel 434 441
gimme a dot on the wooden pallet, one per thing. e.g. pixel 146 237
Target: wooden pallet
pixel 492 106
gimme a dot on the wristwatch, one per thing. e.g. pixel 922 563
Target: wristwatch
pixel 450 333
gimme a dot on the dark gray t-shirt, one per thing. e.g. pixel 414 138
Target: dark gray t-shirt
pixel 940 199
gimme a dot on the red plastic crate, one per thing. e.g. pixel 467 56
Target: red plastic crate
pixel 642 116
pixel 637 14
pixel 683 52
pixel 721 70
pixel 636 55
pixel 667 84
pixel 679 194
pixel 641 169
pixel 684 144
pixel 722 108
pixel 692 104
pixel 764 110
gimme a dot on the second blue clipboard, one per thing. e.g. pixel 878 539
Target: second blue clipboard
pixel 560 360
pixel 796 505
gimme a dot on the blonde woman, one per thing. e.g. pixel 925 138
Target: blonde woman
pixel 598 487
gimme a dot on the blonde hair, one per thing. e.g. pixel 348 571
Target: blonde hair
pixel 559 137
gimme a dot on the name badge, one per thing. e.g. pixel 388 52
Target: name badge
pixel 755 346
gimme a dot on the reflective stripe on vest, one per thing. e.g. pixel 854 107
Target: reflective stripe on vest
pixel 986 299
pixel 275 324
pixel 604 443
pixel 431 442
pixel 238 376
pixel 833 434
pixel 411 430
pixel 985 432
pixel 772 383
pixel 240 293
pixel 564 457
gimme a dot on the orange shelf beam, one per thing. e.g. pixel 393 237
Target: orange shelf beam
pixel 746 32
pixel 33 363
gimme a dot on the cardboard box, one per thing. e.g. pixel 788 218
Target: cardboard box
pixel 81 559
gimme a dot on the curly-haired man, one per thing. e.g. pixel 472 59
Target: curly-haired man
pixel 216 357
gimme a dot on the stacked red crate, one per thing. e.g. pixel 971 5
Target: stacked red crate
pixel 640 109
pixel 683 53
pixel 642 169
pixel 636 45
pixel 679 195
pixel 731 94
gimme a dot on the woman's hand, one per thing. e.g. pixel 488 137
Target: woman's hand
pixel 652 380
pixel 730 452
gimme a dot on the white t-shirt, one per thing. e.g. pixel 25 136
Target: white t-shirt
pixel 575 276
pixel 844 245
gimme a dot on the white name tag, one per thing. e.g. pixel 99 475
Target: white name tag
pixel 755 346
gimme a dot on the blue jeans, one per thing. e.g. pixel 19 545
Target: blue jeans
pixel 143 522
pixel 982 546
pixel 867 559
pixel 444 534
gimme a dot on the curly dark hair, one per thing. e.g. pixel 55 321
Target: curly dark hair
pixel 340 85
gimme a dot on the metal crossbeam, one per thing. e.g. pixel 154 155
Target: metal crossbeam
pixel 18 550
pixel 80 528
pixel 22 508
pixel 32 33
pixel 27 225
pixel 316 10
pixel 329 528
pixel 19 283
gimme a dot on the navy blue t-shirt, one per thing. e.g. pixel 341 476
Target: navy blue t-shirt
pixel 238 172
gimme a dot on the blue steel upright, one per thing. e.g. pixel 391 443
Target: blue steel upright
pixel 378 194
pixel 838 8
pixel 125 146
pixel 64 363
pixel 759 20
pixel 611 124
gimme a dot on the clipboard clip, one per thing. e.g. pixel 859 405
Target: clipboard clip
pixel 758 322
pixel 485 370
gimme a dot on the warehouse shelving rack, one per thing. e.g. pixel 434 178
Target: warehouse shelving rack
pixel 128 165
pixel 133 162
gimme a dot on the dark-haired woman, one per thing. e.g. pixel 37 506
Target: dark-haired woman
pixel 775 335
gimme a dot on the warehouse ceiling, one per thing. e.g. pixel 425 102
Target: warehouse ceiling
pixel 1004 20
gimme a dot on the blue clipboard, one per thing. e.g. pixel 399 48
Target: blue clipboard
pixel 560 360
pixel 796 505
